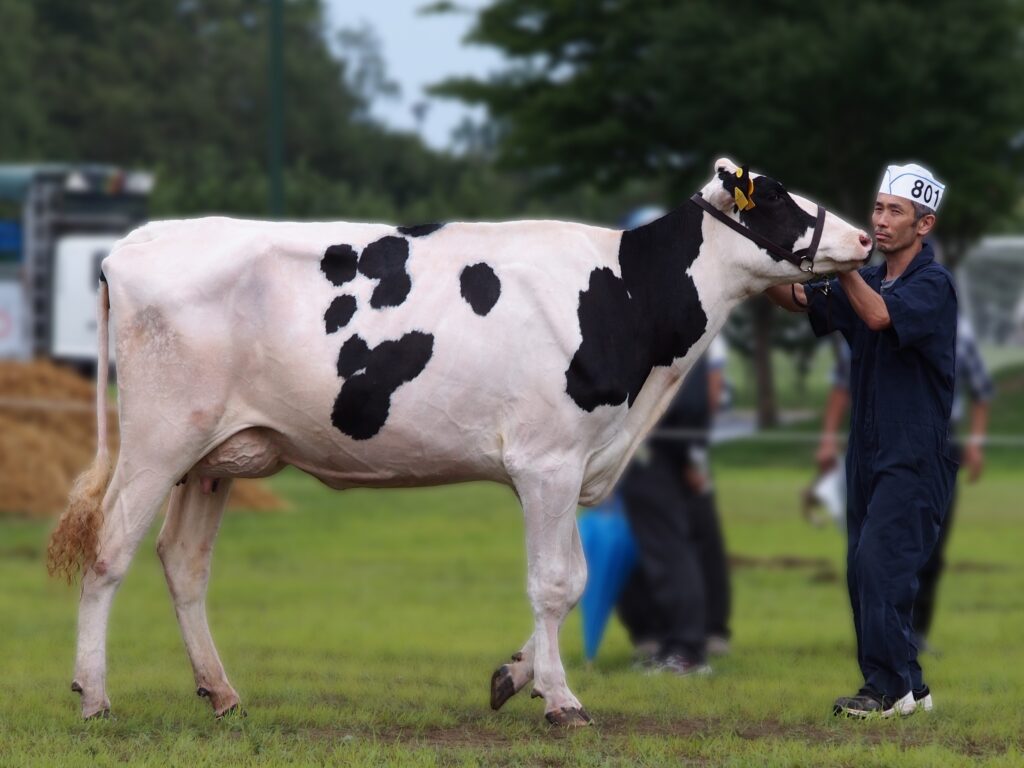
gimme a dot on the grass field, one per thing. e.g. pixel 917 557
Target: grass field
pixel 362 629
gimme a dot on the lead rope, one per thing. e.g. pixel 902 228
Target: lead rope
pixel 825 289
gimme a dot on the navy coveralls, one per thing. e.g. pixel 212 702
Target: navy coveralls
pixel 899 466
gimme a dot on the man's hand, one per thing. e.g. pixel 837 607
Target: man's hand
pixel 696 479
pixel 827 454
pixel 974 460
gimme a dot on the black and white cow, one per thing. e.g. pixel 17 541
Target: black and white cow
pixel 532 353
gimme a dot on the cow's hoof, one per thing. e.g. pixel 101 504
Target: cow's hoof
pixel 102 714
pixel 569 717
pixel 230 713
pixel 502 687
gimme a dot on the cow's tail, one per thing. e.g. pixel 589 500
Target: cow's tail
pixel 74 543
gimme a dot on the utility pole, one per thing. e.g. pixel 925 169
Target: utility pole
pixel 275 140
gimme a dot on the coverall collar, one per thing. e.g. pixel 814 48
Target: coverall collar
pixel 925 256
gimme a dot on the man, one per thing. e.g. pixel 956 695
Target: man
pixel 900 321
pixel 676 604
pixel 972 376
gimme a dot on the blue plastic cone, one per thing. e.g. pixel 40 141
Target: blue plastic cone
pixel 611 554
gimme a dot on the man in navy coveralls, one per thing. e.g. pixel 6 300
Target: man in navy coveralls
pixel 900 320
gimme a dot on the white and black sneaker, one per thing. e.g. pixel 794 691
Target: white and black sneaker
pixel 869 704
pixel 923 697
pixel 679 665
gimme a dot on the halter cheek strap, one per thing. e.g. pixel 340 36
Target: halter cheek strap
pixel 802 259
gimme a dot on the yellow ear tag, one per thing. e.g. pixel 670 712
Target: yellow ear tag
pixel 750 189
pixel 742 202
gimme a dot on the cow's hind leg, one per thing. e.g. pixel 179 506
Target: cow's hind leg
pixel 557 573
pixel 132 500
pixel 185 546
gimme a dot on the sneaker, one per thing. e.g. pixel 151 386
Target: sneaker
pixel 718 645
pixel 679 665
pixel 923 697
pixel 645 654
pixel 867 703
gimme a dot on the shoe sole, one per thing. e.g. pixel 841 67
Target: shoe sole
pixel 903 707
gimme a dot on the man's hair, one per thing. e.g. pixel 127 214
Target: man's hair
pixel 920 211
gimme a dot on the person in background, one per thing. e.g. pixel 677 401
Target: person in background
pixel 972 376
pixel 676 604
pixel 900 320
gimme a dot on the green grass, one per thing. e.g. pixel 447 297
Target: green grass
pixel 362 629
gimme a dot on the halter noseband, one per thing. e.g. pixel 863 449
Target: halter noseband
pixel 796 258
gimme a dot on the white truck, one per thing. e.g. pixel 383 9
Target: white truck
pixel 57 222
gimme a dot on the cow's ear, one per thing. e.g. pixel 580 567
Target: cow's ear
pixel 724 165
pixel 719 192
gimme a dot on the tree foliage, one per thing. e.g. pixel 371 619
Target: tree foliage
pixel 181 87
pixel 821 95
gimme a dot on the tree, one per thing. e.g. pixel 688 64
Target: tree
pixel 820 95
pixel 181 87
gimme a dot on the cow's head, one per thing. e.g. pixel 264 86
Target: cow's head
pixel 762 205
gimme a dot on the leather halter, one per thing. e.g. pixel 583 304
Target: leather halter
pixel 796 258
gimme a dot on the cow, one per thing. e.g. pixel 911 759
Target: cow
pixel 537 354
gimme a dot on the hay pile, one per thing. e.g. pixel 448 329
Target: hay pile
pixel 48 436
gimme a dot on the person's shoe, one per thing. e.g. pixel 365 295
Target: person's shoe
pixel 679 665
pixel 923 697
pixel 717 645
pixel 645 652
pixel 868 704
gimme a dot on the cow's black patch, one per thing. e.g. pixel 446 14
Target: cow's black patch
pixel 480 287
pixel 353 356
pixel 421 230
pixel 776 215
pixel 384 260
pixel 362 406
pixel 339 264
pixel 340 312
pixel 648 317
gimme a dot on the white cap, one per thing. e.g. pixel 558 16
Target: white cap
pixel 914 182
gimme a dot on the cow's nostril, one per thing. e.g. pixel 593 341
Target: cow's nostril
pixel 865 240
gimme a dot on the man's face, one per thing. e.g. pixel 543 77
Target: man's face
pixel 894 224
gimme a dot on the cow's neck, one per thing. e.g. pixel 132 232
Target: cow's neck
pixel 684 287
pixel 683 284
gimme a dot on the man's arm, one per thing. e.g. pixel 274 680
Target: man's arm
pixel 835 411
pixel 868 304
pixel 782 295
pixel 974 454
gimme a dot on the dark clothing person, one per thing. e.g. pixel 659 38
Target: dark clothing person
pixel 679 594
pixel 900 467
pixel 971 376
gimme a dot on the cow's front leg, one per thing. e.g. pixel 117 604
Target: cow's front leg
pixel 510 678
pixel 185 546
pixel 557 574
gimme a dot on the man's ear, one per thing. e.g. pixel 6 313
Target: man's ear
pixel 925 224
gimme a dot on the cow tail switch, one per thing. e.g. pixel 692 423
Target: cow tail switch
pixel 73 543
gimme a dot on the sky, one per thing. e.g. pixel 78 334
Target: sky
pixel 419 50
